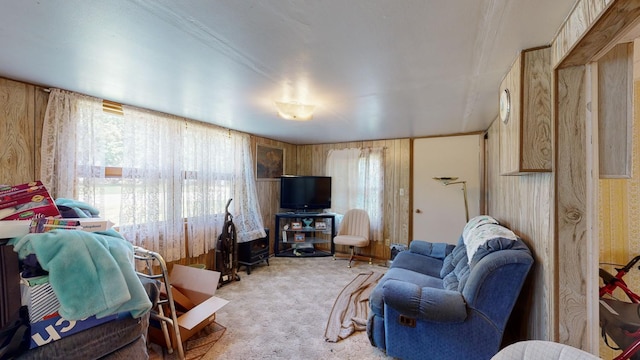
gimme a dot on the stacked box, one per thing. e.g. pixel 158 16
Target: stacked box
pixel 46 324
pixel 26 201
pixel 39 298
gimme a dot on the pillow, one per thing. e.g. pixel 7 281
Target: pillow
pixel 483 233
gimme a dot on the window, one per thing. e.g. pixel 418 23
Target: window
pixel 159 177
pixel 358 182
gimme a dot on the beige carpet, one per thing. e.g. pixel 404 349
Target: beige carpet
pixel 281 311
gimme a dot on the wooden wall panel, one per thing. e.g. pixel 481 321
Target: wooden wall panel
pixel 536 151
pixel 578 257
pixel 18 144
pixel 524 204
pixel 526 137
pixel 510 132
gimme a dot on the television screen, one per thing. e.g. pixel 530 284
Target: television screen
pixel 305 192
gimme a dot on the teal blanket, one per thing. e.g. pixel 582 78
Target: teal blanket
pixel 90 273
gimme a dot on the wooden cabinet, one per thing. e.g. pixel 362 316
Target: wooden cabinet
pixel 525 134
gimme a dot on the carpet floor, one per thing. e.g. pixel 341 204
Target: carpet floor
pixel 281 311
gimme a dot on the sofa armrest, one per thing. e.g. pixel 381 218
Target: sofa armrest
pixel 436 250
pixel 424 302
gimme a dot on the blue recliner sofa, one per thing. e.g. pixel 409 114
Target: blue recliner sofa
pixel 444 301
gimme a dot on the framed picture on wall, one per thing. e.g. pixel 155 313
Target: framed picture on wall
pixel 269 162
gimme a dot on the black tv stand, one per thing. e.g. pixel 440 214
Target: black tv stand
pixel 305 212
pixel 293 238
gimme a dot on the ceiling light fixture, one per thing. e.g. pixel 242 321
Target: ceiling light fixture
pixel 293 110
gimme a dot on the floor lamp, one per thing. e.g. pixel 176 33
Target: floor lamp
pixel 446 181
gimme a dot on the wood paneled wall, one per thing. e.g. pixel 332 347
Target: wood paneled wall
pixel 576 260
pixel 22 108
pixel 591 30
pixel 554 221
pixel 311 161
pixel 524 204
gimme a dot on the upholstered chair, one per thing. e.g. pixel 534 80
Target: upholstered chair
pixel 354 232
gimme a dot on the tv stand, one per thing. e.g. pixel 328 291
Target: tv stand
pixel 304 234
pixel 304 212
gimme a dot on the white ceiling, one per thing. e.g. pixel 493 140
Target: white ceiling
pixel 375 69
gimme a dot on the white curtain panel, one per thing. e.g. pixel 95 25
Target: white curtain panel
pixel 67 141
pixel 176 175
pixel 357 181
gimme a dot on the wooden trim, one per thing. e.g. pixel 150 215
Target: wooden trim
pixel 410 194
pixel 112 107
pixel 600 28
pixel 111 171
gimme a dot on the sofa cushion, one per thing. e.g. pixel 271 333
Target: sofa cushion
pixel 451 261
pixel 456 279
pixel 419 263
pixel 434 250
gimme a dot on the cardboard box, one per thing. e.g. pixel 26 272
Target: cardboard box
pixel 26 201
pixel 199 287
pixel 14 228
pixel 93 224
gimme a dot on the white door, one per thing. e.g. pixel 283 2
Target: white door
pixel 439 210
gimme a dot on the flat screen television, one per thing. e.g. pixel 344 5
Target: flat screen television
pixel 305 193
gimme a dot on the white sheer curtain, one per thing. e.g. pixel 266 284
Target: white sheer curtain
pixel 68 137
pixel 175 177
pixel 358 182
pixel 217 171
